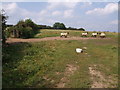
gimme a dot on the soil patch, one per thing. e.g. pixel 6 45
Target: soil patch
pixel 70 69
pixel 99 81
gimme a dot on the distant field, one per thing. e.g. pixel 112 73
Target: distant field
pixel 55 64
pixel 54 33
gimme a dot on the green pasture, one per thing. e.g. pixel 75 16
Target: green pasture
pixel 43 64
pixel 72 33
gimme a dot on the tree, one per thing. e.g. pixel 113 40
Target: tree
pixel 71 28
pixel 3 22
pixel 44 27
pixel 81 29
pixel 23 29
pixel 20 24
pixel 30 23
pixel 58 25
pixel 27 32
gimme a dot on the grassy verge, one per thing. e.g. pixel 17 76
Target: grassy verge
pixel 43 64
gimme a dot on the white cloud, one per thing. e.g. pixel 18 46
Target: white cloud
pixel 114 22
pixel 65 0
pixel 70 4
pixel 50 16
pixel 14 0
pixel 108 9
pixel 86 4
pixel 56 13
pixel 60 0
pixel 17 13
pixel 0 6
pixel 76 1
pixel 10 8
pixel 26 18
pixel 54 5
pixel 43 12
pixel 68 13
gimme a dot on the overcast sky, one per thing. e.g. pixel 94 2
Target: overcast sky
pixel 93 16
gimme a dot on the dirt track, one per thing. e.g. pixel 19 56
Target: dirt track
pixel 11 40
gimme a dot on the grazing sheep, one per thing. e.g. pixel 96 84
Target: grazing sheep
pixel 84 48
pixel 94 34
pixel 85 34
pixel 102 35
pixel 64 34
pixel 78 50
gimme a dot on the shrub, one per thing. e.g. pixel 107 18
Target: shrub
pixel 27 32
pixel 23 29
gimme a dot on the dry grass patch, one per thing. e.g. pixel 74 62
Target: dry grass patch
pixel 70 69
pixel 99 80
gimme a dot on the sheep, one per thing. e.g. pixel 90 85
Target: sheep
pixel 85 34
pixel 94 34
pixel 64 34
pixel 102 35
pixel 78 50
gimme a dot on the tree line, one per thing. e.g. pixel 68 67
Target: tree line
pixel 58 25
pixel 27 28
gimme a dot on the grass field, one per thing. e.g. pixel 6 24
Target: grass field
pixel 54 33
pixel 55 64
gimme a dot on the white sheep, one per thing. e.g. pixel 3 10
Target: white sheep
pixel 85 34
pixel 63 34
pixel 94 34
pixel 102 35
pixel 79 50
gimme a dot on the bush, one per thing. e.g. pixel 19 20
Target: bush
pixel 27 32
pixel 23 29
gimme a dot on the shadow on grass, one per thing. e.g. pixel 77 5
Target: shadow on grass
pixel 13 51
pixel 12 54
pixel 12 76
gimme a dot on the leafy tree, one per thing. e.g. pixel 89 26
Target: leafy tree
pixel 30 23
pixel 27 32
pixel 23 29
pixel 44 27
pixel 58 25
pixel 71 28
pixel 3 22
pixel 21 23
pixel 81 29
